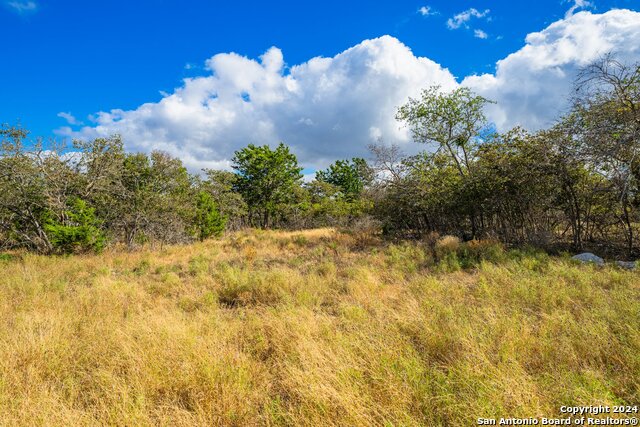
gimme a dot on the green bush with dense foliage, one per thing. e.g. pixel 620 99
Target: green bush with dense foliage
pixel 208 222
pixel 79 230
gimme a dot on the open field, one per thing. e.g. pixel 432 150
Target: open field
pixel 312 328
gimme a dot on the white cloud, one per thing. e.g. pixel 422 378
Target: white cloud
pixel 426 11
pixel 462 18
pixel 331 108
pixel 578 4
pixel 480 34
pixel 70 118
pixel 324 108
pixel 531 86
pixel 22 7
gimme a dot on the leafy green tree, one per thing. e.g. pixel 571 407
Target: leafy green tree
pixel 34 183
pixel 266 179
pixel 605 119
pixel 350 176
pixel 329 205
pixel 425 198
pixel 22 194
pixel 451 120
pixel 220 184
pixel 148 198
pixel 102 161
pixel 208 220
pixel 516 184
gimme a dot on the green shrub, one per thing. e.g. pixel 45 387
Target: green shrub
pixel 79 231
pixel 448 263
pixel 208 220
pixel 7 257
pixel 300 240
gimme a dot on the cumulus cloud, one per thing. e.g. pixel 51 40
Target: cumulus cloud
pixel 325 108
pixel 462 19
pixel 331 108
pixel 531 86
pixel 22 7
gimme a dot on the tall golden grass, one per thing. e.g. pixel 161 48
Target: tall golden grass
pixel 311 328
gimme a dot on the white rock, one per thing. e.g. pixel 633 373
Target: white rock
pixel 588 257
pixel 627 265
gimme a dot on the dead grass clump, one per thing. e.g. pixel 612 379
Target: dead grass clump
pixel 364 232
pixel 446 244
pixel 239 287
pixel 473 252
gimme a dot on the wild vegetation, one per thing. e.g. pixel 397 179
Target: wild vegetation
pixel 404 290
pixel 575 185
pixel 577 181
pixel 313 327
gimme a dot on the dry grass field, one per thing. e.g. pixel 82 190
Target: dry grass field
pixel 314 328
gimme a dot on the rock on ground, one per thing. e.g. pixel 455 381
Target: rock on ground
pixel 627 265
pixel 588 257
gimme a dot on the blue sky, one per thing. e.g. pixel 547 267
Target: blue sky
pixel 82 57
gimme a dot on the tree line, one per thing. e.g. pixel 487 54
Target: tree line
pixel 82 198
pixel 576 183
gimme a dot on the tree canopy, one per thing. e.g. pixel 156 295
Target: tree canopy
pixel 266 179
